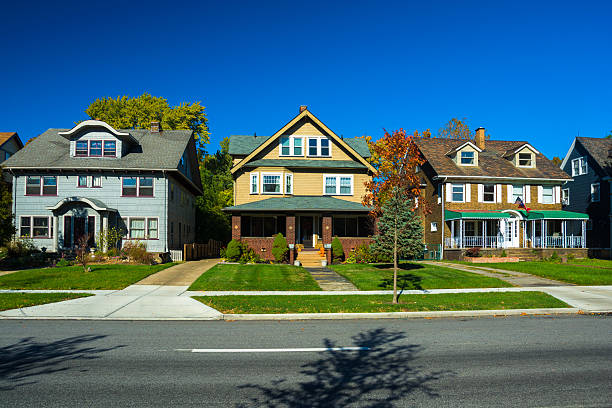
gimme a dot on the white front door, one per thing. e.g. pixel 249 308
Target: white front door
pixel 511 231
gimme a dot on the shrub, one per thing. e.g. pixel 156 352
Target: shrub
pixel 249 256
pixel 222 253
pixel 234 250
pixel 555 257
pixel 136 251
pixel 63 262
pixel 19 247
pixel 280 248
pixel 503 253
pixel 473 252
pixel 337 250
pixel 112 252
pixel 363 254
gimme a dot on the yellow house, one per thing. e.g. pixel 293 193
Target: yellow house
pixel 304 181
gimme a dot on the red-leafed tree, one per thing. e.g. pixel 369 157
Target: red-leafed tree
pixel 393 192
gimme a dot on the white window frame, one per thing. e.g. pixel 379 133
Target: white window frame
pixel 473 163
pixel 494 193
pixel 565 196
pixel 434 227
pixel 289 183
pixel 595 186
pixel 280 176
pixel 338 177
pixel 291 146
pixel 318 138
pixel 99 178
pixel 50 230
pixel 552 195
pixel 514 196
pixel 531 160
pixel 452 192
pixel 582 166
pixel 254 177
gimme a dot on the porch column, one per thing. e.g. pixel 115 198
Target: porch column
pixel 290 230
pixel 543 228
pixel 104 228
pixel 452 241
pixel 583 233
pixel 533 235
pixel 564 233
pixel 484 233
pixel 236 227
pixel 460 233
pixel 55 233
pixel 327 237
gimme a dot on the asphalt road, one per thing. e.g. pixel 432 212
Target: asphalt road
pixel 519 361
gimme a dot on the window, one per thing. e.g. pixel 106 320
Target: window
pixel 524 159
pixel 262 226
pixel 129 186
pixel 110 148
pixel 547 195
pixel 145 186
pixel 137 228
pixel 254 183
pixel 467 158
pixel 517 192
pixel 81 148
pixel 25 227
pixel 352 226
pixel 579 166
pixel 288 183
pixel 324 147
pixel 82 181
pixel 35 227
pixel 271 184
pixel 33 185
pixel 565 196
pixel 95 148
pixel 47 187
pixel 171 192
pixel 152 228
pixel 96 181
pixel 434 226
pixel 457 192
pixel 319 146
pixel 338 184
pixel 488 193
pixel 595 192
pixel 291 146
pixel 297 146
pixel 285 146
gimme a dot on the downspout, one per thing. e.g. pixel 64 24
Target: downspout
pixel 166 209
pixel 443 199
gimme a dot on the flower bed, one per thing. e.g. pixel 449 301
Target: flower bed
pixel 492 259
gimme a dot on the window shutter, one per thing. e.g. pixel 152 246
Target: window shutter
pixel 540 194
pixel 498 193
pixel 468 192
pixel 480 193
pixel 449 192
pixel 509 192
pixel 557 194
pixel 527 193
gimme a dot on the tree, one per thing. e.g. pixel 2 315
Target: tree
pixel 456 129
pixel 397 157
pixel 7 228
pixel 609 135
pixel 557 161
pixel 280 248
pixel 126 112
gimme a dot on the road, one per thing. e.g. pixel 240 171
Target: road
pixel 518 361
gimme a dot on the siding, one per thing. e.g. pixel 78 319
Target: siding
pixel 180 212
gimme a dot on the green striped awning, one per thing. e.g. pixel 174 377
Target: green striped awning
pixel 474 215
pixel 553 215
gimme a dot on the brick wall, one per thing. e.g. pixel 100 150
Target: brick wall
pixel 261 246
pixel 349 244
pixel 235 227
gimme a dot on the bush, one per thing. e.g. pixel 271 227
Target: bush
pixel 337 251
pixel 280 248
pixel 112 252
pixel 234 250
pixel 555 257
pixel 20 247
pixel 503 253
pixel 136 251
pixel 248 255
pixel 361 254
pixel 63 262
pixel 222 253
pixel 473 252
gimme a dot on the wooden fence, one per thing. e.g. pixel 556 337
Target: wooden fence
pixel 211 249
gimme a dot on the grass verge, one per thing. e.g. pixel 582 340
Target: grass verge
pixel 414 276
pixel 17 300
pixel 380 303
pixel 579 275
pixel 255 277
pixel 73 277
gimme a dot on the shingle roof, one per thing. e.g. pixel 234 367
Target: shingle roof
pixel 490 160
pixel 599 149
pixel 303 163
pixel 6 136
pixel 300 203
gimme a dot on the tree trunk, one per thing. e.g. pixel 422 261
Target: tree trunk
pixel 395 263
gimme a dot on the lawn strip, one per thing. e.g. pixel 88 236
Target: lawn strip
pixel 412 275
pixel 255 277
pixel 18 300
pixel 270 304
pixel 557 271
pixel 111 276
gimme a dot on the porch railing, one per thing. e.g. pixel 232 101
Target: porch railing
pixel 569 241
pixel 474 241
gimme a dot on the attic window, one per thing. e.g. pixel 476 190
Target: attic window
pixel 467 158
pixel 525 160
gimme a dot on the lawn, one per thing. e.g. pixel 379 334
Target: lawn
pixel 16 300
pixel 413 276
pixel 579 275
pixel 600 263
pixel 380 303
pixel 255 277
pixel 73 277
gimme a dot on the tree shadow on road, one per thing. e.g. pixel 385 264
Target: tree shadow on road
pixel 21 362
pixel 378 377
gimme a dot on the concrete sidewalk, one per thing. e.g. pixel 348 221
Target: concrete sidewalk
pixel 183 274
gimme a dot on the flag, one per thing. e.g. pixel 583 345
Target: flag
pixel 521 204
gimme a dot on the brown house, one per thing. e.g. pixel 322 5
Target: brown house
pixel 304 181
pixel 474 189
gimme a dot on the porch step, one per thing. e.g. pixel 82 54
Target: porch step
pixel 310 258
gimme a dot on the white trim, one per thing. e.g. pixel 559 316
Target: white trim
pixel 289 176
pixel 553 191
pixel 319 138
pixel 509 189
pixel 456 149
pixel 582 162
pixel 515 212
pixel 557 193
pixel 495 200
pixel 291 146
pixel 92 123
pixel 527 145
pixel 459 162
pixel 532 160
pixel 499 193
pixel 527 189
pixel 146 238
pixel 540 194
pixel 567 155
pixel 49 226
pixel 468 192
pixel 481 193
pixel 77 199
pixel 280 176
pixel 451 192
pixel 338 177
pixel 256 175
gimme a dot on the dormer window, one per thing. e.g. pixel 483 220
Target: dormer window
pixel 110 148
pixel 525 160
pixel 291 146
pixel 95 148
pixel 467 158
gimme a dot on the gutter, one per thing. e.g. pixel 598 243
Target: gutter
pixel 445 176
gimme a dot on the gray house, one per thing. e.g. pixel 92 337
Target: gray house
pixel 68 183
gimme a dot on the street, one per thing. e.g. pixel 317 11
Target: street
pixel 518 361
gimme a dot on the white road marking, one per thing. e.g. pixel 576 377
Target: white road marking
pixel 275 350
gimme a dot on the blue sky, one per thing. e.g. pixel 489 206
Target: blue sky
pixel 537 72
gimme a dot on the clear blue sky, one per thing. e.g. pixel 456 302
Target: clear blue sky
pixel 537 72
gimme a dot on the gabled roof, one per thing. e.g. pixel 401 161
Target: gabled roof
pixel 461 146
pixel 513 150
pixel 300 203
pixel 281 131
pixel 241 145
pixel 599 149
pixel 491 163
pixel 6 136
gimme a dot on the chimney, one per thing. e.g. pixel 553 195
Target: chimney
pixel 155 127
pixel 480 138
pixel 303 108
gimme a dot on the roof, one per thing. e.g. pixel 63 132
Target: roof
pixel 479 215
pixel 303 163
pixel 599 149
pixel 553 215
pixel 300 203
pixel 96 204
pixel 6 136
pixel 491 162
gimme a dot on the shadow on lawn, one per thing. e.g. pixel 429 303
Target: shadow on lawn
pixel 405 281
pixel 379 377
pixel 21 362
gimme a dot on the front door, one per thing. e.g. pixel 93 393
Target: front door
pixel 67 231
pixel 306 231
pixel 511 234
pixel 79 229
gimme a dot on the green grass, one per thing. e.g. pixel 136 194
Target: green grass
pixel 16 300
pixel 600 263
pixel 578 275
pixel 380 303
pixel 73 277
pixel 255 277
pixel 413 276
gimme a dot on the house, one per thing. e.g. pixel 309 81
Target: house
pixel 10 143
pixel 472 189
pixel 68 183
pixel 303 181
pixel 589 162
